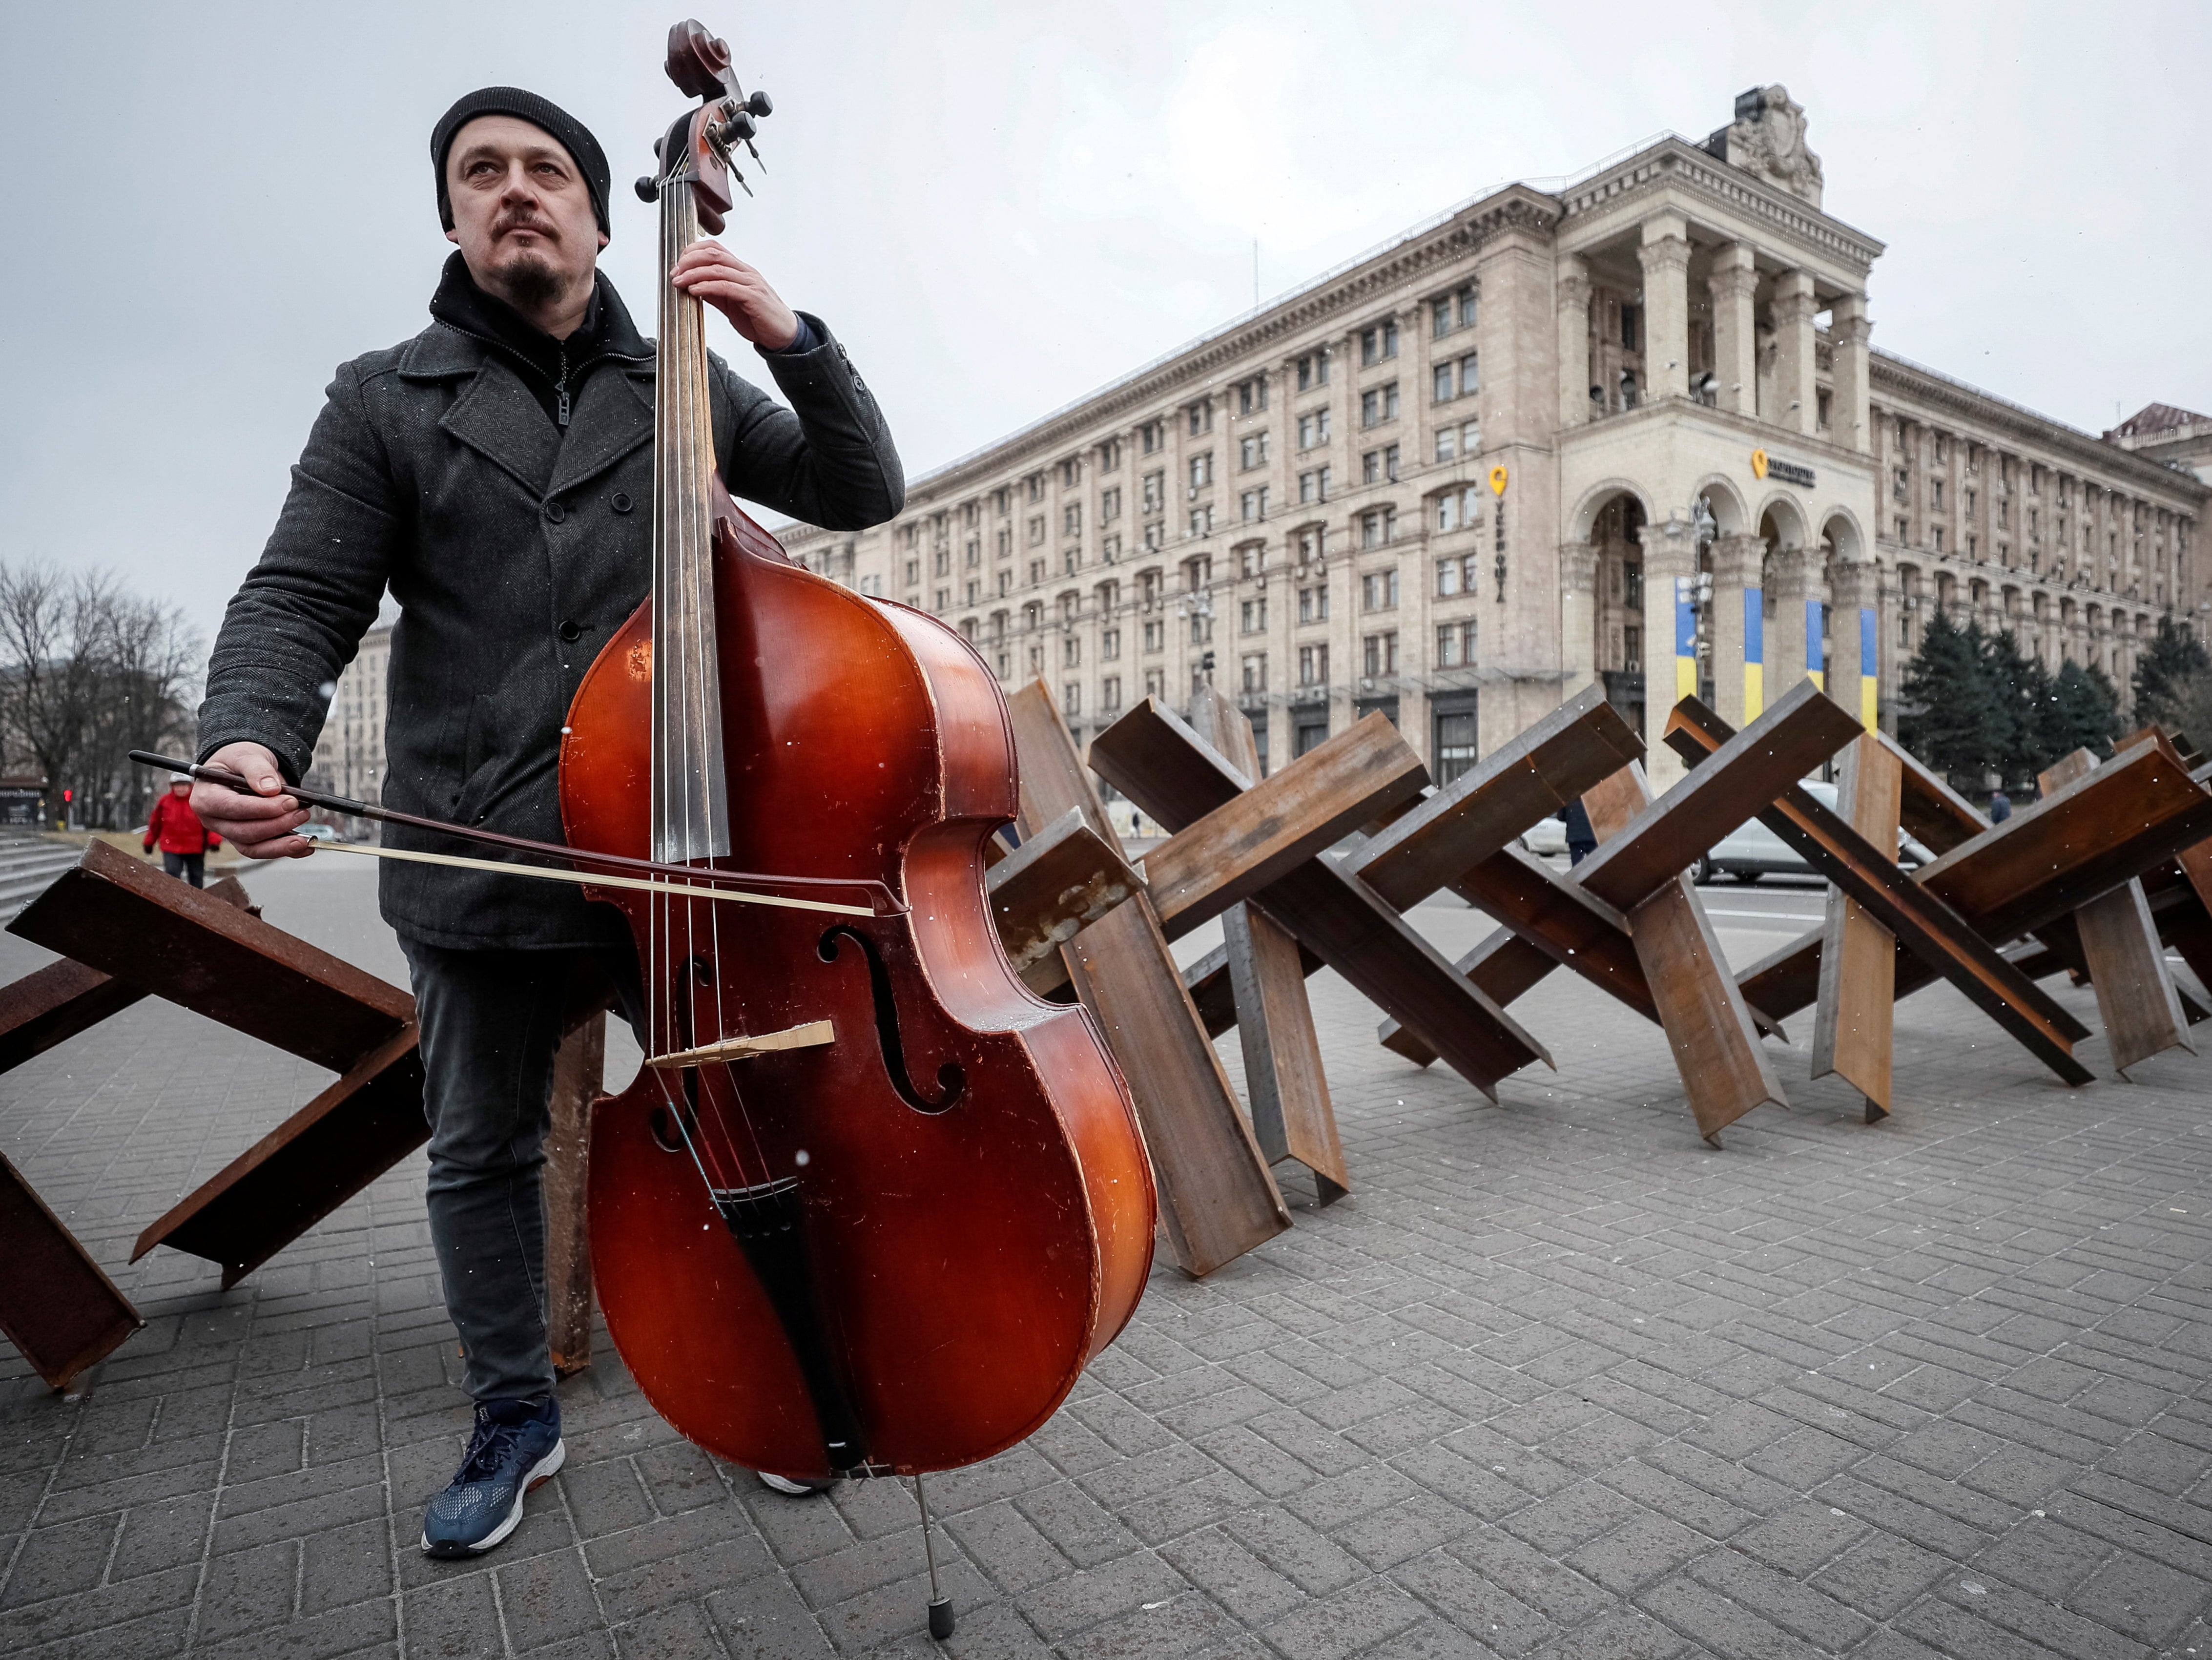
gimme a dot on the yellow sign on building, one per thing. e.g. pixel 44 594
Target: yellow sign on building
pixel 1497 480
pixel 1759 463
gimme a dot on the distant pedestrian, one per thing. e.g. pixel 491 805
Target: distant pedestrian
pixel 1582 840
pixel 1999 806
pixel 185 842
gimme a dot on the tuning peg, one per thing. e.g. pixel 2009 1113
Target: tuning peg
pixel 646 190
pixel 760 103
pixel 740 125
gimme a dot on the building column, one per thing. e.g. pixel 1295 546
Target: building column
pixel 1852 413
pixel 1786 641
pixel 1796 407
pixel 1578 563
pixel 1670 562
pixel 1573 297
pixel 1665 253
pixel 1738 630
pixel 1734 282
pixel 1855 639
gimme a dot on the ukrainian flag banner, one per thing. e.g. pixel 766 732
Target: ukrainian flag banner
pixel 1816 651
pixel 1754 653
pixel 1686 637
pixel 1866 681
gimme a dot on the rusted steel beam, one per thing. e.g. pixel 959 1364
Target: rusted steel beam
pixel 1157 761
pixel 1724 1069
pixel 1921 923
pixel 1803 729
pixel 56 1306
pixel 128 920
pixel 52 1005
pixel 2120 948
pixel 1480 813
pixel 292 1177
pixel 1218 1199
pixel 1052 887
pixel 1284 1085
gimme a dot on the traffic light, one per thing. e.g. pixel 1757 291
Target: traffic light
pixel 68 796
pixel 1206 662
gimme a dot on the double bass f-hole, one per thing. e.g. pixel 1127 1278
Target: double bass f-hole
pixel 951 1077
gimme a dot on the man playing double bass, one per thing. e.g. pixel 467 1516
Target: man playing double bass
pixel 494 473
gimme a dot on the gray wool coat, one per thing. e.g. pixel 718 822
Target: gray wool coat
pixel 514 550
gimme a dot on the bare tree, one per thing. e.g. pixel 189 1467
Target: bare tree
pixel 88 672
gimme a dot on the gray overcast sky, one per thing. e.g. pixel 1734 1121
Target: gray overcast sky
pixel 205 208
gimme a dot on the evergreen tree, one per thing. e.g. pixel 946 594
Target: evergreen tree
pixel 2082 712
pixel 2017 686
pixel 1957 722
pixel 2164 673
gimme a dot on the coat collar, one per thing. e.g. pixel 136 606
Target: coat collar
pixel 499 416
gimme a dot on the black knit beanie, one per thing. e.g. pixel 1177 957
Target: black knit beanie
pixel 574 136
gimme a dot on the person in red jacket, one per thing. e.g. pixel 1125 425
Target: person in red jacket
pixel 185 842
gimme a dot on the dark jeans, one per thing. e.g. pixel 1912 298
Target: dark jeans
pixel 192 867
pixel 490 1021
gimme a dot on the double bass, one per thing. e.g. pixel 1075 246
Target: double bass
pixel 871 1205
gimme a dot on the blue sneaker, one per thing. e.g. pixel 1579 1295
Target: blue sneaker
pixel 516 1445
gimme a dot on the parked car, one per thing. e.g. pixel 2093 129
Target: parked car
pixel 1752 851
pixel 1545 836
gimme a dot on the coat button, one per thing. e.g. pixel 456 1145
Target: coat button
pixel 621 502
pixel 571 633
pixel 555 513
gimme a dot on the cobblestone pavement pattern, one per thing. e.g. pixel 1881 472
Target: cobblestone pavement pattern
pixel 1556 1381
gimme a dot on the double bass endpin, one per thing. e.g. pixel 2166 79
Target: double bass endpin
pixel 940 1605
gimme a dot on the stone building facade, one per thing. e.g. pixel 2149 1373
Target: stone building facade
pixel 349 753
pixel 1629 430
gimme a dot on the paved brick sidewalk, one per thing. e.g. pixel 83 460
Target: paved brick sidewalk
pixel 1557 1380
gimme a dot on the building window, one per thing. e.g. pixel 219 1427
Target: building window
pixel 1151 435
pixel 1110 455
pixel 1466 307
pixel 1448 645
pixel 1253 616
pixel 1379 342
pixel 1071 561
pixel 1201 630
pixel 1378 527
pixel 1254 504
pixel 1313 369
pixel 1821 402
pixel 1109 693
pixel 1628 319
pixel 1378 405
pixel 1378 590
pixel 1252 452
pixel 975 553
pixel 1070 652
pixel 1391 462
pixel 1155 636
pixel 1455 748
pixel 1255 667
pixel 975 591
pixel 1313 428
pixel 1110 504
pixel 1156 490
pixel 1037 529
pixel 1201 469
pixel 1110 549
pixel 1470 376
pixel 1201 520
pixel 1252 559
pixel 1938 533
pixel 943 599
pixel 913 572
pixel 1378 654
pixel 1199 416
pixel 1456 576
pixel 1071 519
pixel 1313 665
pixel 1252 395
pixel 1071 697
pixel 1109 644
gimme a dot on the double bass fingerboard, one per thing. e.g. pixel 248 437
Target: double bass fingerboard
pixel 691 809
